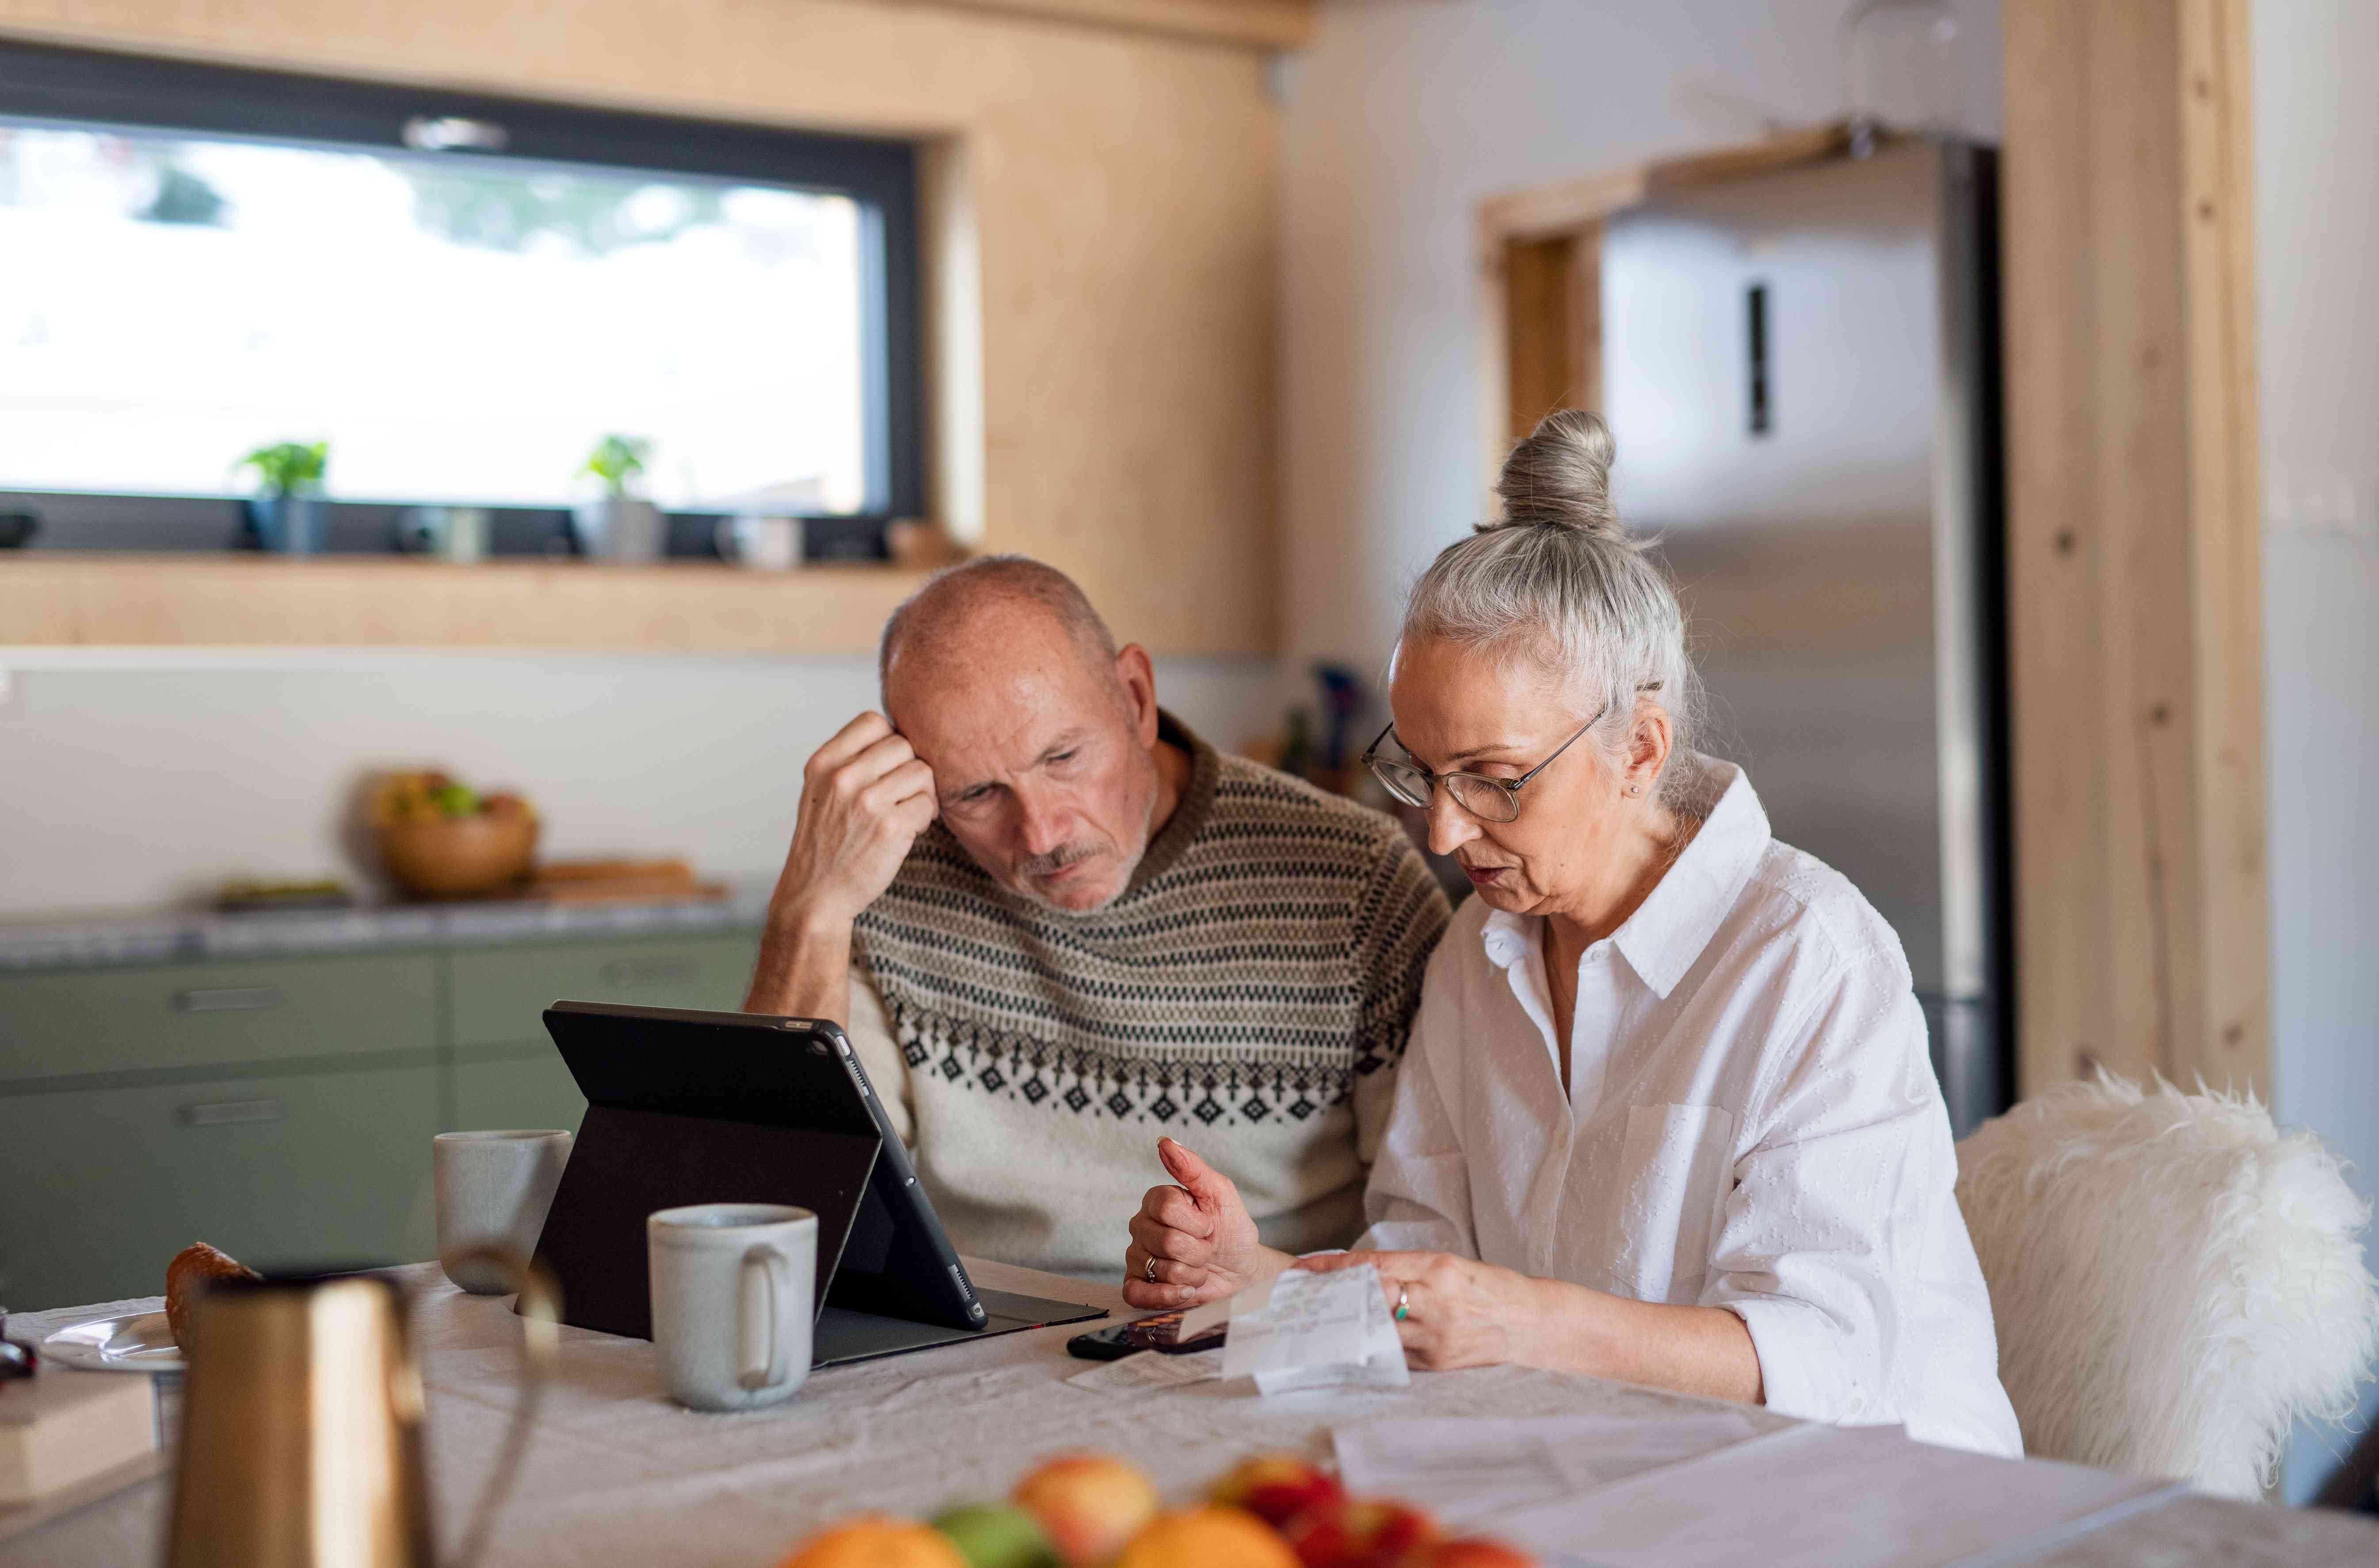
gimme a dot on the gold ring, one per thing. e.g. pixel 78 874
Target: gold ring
pixel 1151 1269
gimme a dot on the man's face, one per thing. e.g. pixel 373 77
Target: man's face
pixel 1043 759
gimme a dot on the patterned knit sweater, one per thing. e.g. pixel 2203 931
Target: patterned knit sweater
pixel 1249 994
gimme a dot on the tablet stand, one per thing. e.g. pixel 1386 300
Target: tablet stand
pixel 627 1163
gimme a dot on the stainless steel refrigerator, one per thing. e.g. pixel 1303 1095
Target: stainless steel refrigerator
pixel 1802 371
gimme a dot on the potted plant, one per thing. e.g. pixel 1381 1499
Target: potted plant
pixel 621 527
pixel 290 515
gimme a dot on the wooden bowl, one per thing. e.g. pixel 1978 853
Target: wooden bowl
pixel 458 856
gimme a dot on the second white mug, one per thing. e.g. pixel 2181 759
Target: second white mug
pixel 734 1294
pixel 493 1189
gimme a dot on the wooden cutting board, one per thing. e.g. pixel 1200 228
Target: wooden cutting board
pixel 619 881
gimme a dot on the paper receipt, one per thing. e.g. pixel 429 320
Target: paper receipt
pixel 1316 1330
pixel 1149 1369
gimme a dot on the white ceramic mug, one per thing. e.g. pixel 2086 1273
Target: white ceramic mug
pixel 771 544
pixel 734 1287
pixel 493 1190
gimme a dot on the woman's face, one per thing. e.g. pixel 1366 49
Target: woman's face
pixel 1458 710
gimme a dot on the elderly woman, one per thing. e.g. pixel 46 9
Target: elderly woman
pixel 1666 1115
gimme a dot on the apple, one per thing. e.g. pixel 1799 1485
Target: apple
pixel 1361 1532
pixel 1275 1488
pixel 997 1534
pixel 1211 1537
pixel 1088 1504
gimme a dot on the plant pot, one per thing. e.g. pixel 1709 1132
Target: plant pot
pixel 292 525
pixel 621 528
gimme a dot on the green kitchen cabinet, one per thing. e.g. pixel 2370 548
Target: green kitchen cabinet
pixel 282 1108
pixel 497 995
pixel 230 1014
pixel 529 1089
pixel 297 1170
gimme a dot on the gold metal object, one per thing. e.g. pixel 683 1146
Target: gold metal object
pixel 301 1442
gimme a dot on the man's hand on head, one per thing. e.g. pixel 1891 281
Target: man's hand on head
pixel 866 796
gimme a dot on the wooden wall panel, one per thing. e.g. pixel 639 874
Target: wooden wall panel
pixel 1121 187
pixel 2141 907
pixel 1552 305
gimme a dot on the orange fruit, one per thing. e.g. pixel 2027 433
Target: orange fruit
pixel 1207 1537
pixel 876 1540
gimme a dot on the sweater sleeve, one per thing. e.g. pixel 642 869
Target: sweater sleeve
pixel 870 1032
pixel 1401 915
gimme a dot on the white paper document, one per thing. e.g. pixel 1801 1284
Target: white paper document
pixel 1475 1470
pixel 1815 1496
pixel 1150 1370
pixel 1313 1331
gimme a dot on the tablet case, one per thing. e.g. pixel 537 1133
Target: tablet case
pixel 692 1108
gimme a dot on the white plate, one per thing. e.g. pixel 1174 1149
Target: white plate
pixel 137 1342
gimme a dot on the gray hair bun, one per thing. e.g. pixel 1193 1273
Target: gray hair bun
pixel 1559 476
pixel 1556 583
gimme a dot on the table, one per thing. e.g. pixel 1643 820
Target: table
pixel 618 1475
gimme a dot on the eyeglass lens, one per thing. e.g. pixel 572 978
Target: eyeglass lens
pixel 1479 797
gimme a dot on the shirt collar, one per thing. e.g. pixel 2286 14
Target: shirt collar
pixel 1668 932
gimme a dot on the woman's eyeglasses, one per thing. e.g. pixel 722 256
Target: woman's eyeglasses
pixel 1489 800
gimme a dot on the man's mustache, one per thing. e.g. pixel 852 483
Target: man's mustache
pixel 1057 859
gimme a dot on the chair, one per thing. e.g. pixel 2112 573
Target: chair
pixel 2174 1281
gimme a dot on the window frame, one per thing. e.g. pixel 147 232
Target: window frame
pixel 47 83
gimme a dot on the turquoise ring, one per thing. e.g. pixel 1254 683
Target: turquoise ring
pixel 1403 1305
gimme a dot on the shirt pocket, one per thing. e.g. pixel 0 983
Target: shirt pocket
pixel 1676 1169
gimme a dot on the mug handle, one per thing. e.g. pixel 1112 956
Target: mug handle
pixel 772 1265
pixel 540 1309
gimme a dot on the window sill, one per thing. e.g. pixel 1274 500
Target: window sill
pixel 104 599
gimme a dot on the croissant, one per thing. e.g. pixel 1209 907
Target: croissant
pixel 195 1268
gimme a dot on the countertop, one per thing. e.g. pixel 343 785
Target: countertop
pixel 184 936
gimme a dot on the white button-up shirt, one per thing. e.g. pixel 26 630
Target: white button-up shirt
pixel 1752 1123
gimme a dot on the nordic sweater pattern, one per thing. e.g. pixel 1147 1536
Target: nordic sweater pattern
pixel 1266 955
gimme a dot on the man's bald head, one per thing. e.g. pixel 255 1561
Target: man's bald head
pixel 951 615
pixel 1040 732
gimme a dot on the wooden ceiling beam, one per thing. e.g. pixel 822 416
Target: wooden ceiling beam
pixel 1259 24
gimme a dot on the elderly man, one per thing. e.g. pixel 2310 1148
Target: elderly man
pixel 1054 922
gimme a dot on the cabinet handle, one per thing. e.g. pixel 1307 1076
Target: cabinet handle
pixel 230 1113
pixel 648 971
pixel 228 1000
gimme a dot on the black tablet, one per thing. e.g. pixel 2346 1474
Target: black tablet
pixel 699 1107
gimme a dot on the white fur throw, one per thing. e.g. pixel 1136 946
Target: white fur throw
pixel 2173 1280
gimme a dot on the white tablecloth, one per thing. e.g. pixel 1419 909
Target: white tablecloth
pixel 618 1475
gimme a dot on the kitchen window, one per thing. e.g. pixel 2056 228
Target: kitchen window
pixel 460 294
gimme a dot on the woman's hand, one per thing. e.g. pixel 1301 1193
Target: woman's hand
pixel 1198 1238
pixel 1458 1313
